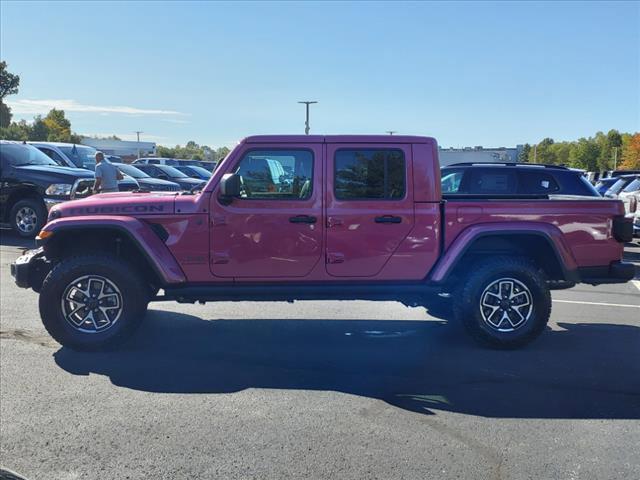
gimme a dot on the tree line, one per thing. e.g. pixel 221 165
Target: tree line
pixel 192 151
pixel 613 150
pixel 598 153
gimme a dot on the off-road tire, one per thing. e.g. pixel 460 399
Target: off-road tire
pixel 467 302
pixel 132 288
pixel 40 213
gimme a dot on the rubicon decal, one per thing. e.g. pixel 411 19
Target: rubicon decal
pixel 116 209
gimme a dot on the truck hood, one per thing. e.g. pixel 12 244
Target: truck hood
pixel 54 173
pixel 156 181
pixel 119 203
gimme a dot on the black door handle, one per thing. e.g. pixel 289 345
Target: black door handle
pixel 388 219
pixel 303 219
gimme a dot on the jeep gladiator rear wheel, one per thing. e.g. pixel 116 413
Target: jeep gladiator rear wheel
pixel 504 303
pixel 92 302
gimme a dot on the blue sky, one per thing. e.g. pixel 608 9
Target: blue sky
pixel 492 74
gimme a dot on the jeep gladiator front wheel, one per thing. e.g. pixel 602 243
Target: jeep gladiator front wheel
pixel 504 303
pixel 92 302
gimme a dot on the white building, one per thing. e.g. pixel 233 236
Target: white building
pixel 124 149
pixel 449 156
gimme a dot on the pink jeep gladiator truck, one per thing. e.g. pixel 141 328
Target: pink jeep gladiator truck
pixel 287 218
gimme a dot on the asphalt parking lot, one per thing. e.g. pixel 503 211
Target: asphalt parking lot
pixel 323 390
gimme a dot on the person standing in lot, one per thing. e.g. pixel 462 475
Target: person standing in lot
pixel 107 175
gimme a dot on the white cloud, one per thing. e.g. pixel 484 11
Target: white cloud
pixel 43 106
pixel 127 136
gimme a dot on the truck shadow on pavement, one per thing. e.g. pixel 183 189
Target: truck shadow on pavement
pixel 10 239
pixel 583 371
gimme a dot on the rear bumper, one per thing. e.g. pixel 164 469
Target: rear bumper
pixel 615 272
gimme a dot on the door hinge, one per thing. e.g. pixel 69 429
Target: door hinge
pixel 220 258
pixel 333 221
pixel 218 220
pixel 335 257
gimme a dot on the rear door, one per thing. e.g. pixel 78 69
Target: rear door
pixel 369 195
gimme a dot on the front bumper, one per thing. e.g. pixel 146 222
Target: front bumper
pixel 615 272
pixel 51 202
pixel 29 268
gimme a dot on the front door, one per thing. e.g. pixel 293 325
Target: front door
pixel 275 229
pixel 369 206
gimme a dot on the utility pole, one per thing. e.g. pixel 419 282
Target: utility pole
pixel 535 153
pixel 138 134
pixel 391 132
pixel 615 158
pixel 306 123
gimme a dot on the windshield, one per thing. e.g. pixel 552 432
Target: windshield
pixel 131 170
pixel 202 171
pixel 172 172
pixel 633 186
pixel 617 187
pixel 20 155
pixel 607 182
pixel 81 155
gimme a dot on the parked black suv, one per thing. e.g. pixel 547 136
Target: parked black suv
pixel 514 179
pixel 30 183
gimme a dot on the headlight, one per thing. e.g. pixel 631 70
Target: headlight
pixel 59 189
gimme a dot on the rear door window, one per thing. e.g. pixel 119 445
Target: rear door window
pixel 371 174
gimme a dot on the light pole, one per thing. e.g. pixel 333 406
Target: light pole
pixel 306 122
pixel 138 134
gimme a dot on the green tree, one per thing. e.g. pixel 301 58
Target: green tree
pixel 585 154
pixel 614 141
pixel 542 152
pixel 221 153
pixel 165 152
pixel 9 84
pixel 16 131
pixel 39 130
pixel 561 152
pixel 523 156
pixel 59 128
pixel 5 115
pixel 192 151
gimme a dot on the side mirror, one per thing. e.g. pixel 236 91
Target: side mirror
pixel 230 186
